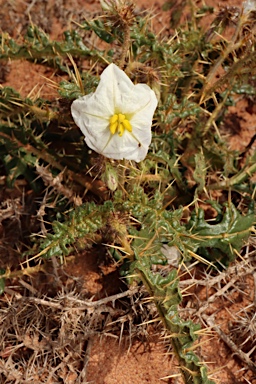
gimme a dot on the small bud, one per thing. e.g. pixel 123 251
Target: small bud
pixel 105 5
pixel 111 177
pixel 111 5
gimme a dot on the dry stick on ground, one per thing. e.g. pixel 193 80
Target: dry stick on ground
pixel 83 372
pixel 10 208
pixel 239 269
pixel 254 278
pixel 86 303
pixel 219 293
pixel 243 356
pixel 244 267
pixel 56 184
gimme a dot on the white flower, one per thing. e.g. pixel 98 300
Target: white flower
pixel 116 119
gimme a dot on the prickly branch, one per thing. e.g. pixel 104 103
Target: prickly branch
pixel 157 226
pixel 38 47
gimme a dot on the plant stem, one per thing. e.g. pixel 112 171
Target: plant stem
pixel 24 271
pixel 215 113
pixel 232 47
pixel 125 45
pixel 235 180
pixel 95 186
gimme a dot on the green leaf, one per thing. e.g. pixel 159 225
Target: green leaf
pixel 100 29
pixel 199 173
pixel 222 241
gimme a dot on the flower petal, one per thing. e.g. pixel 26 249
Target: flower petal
pixel 138 98
pixel 115 84
pixel 95 128
pixel 93 105
pixel 127 147
pixel 98 144
pixel 134 149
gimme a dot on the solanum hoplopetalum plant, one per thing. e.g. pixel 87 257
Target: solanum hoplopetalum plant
pixel 116 119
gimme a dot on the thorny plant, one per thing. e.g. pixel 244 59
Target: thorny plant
pixel 191 194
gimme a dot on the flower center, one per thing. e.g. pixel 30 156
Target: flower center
pixel 118 124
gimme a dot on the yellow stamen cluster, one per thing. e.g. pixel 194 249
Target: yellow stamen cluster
pixel 118 123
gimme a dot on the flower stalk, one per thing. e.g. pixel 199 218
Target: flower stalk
pixel 125 46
